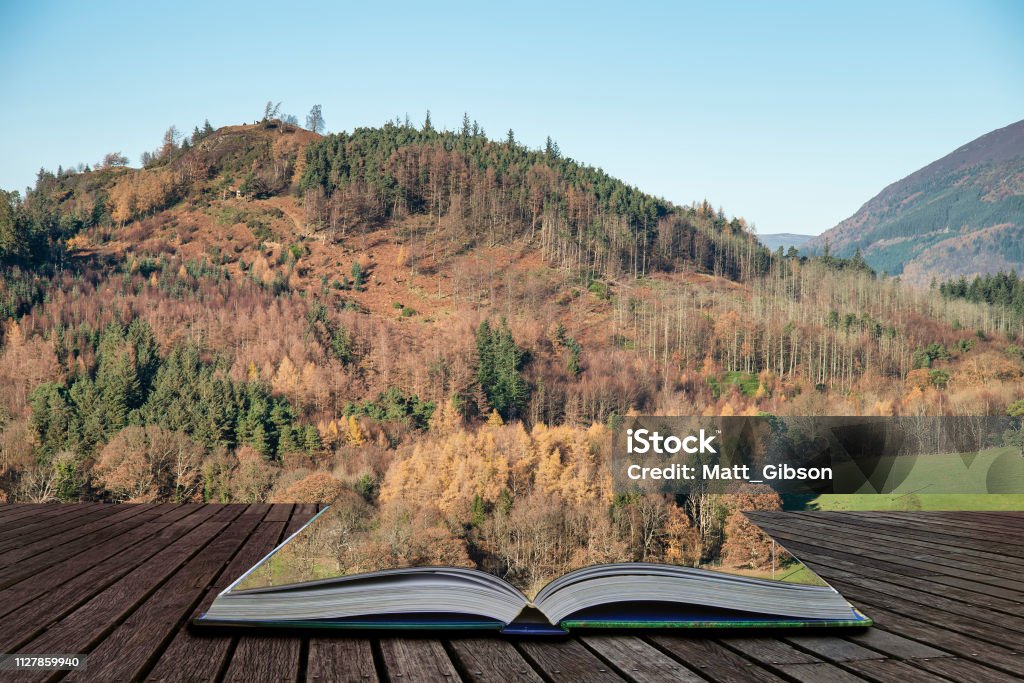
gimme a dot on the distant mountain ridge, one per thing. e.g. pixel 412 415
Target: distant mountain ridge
pixel 784 240
pixel 960 215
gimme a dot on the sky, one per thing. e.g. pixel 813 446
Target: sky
pixel 789 114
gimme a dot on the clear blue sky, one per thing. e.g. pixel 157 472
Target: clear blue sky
pixel 791 116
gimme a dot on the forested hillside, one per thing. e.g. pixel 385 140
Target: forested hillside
pixel 962 215
pixel 406 314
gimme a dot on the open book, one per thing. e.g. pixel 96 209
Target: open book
pixel 292 587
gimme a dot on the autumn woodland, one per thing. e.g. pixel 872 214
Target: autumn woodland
pixel 437 329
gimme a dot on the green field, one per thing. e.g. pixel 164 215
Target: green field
pixel 992 480
pixel 934 501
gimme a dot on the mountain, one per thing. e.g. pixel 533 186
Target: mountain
pixel 784 240
pixel 962 215
pixel 285 311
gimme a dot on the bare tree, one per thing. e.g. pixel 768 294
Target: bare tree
pixel 271 111
pixel 315 119
pixel 114 159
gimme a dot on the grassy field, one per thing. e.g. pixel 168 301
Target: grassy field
pixel 992 480
pixel 909 501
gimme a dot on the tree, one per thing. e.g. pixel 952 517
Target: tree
pixel 170 141
pixel 271 111
pixel 499 361
pixel 319 487
pixel 12 237
pixel 114 160
pixel 427 125
pixel 147 464
pixel 551 149
pixel 315 119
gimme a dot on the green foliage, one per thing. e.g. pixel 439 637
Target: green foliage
pixel 21 289
pixel 599 289
pixel 924 357
pixel 368 487
pixel 1005 290
pixel 357 277
pixel 499 362
pixel 394 405
pixel 132 384
pixel 747 382
pixel 330 334
pixel 855 263
pixel 574 365
pixel 938 378
pixel 395 166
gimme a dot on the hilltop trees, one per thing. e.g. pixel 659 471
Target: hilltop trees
pixel 581 219
pixel 315 119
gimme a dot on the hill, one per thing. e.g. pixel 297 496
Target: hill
pixel 274 307
pixel 784 240
pixel 962 215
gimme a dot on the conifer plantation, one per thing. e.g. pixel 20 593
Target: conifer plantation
pixel 437 329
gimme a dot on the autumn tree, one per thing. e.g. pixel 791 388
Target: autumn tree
pixel 745 544
pixel 148 464
pixel 319 487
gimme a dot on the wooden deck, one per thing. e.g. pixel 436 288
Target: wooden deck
pixel 120 582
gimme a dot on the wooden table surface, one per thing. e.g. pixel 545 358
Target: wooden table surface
pixel 119 582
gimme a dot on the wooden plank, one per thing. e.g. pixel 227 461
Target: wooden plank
pixel 126 652
pixel 263 658
pixel 845 541
pixel 490 660
pixel 639 661
pixel 979 538
pixel 71 588
pixel 976 628
pixel 834 649
pixel 279 513
pixel 341 660
pixel 956 669
pixel 950 640
pixel 961 522
pixel 821 559
pixel 822 672
pixel 50 520
pixel 713 660
pixel 901 536
pixel 416 661
pixel 566 660
pixel 768 650
pixel 795 541
pixel 938 602
pixel 905 537
pixel 289 648
pixel 84 528
pixel 115 557
pixel 887 670
pixel 38 563
pixel 9 514
pixel 80 630
pixel 782 657
pixel 892 645
pixel 191 656
pixel 302 513
pixel 852 571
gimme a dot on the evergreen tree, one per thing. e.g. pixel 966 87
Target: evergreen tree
pixel 499 361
